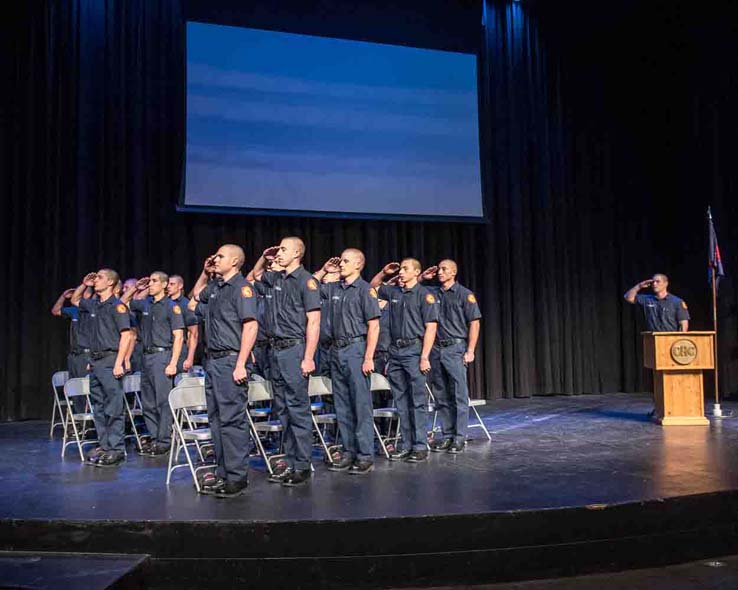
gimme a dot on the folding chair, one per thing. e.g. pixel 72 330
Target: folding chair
pixel 184 432
pixel 321 386
pixel 77 388
pixel 58 380
pixel 260 392
pixel 473 405
pixel 132 388
pixel 197 415
pixel 431 404
pixel 380 383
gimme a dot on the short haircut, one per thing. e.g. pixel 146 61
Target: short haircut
pixel 111 274
pixel 414 262
pixel 177 278
pixel 161 275
pixel 300 244
pixel 236 252
pixel 662 276
pixel 359 254
pixel 452 262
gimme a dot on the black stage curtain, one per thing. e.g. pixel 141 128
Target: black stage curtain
pixel 604 137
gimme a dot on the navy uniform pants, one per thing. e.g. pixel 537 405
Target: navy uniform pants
pixel 408 388
pixel 261 356
pixel 292 404
pixel 137 358
pixel 106 398
pixel 448 380
pixel 77 364
pixel 229 427
pixel 155 388
pixel 353 400
pixel 324 364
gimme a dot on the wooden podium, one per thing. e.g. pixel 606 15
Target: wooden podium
pixel 677 360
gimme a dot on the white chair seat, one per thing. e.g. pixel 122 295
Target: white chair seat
pixel 477 402
pixel 385 412
pixel 82 416
pixel 260 412
pixel 325 418
pixel 197 434
pixel 268 426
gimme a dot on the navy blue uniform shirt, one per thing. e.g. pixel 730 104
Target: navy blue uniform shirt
pixel 265 309
pixel 190 319
pixel 457 308
pixel 157 320
pixel 108 319
pixel 662 315
pixel 229 304
pixel 410 310
pixel 385 339
pixel 79 327
pixel 351 307
pixel 293 295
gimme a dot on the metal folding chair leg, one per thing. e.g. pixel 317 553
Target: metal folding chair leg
pixel 480 422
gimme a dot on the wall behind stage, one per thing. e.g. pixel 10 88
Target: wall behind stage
pixel 605 135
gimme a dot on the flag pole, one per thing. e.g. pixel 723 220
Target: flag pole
pixel 717 411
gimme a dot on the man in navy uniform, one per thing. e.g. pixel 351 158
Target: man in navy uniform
pixel 78 357
pixel 413 318
pixel 110 324
pixel 325 344
pixel 296 329
pixel 161 327
pixel 662 311
pixel 134 354
pixel 231 326
pixel 265 312
pixel 175 291
pixel 354 326
pixel 456 340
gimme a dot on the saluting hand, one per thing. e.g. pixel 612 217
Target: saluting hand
pixel 89 280
pixel 209 265
pixel 307 367
pixel 429 273
pixel 240 375
pixel 68 293
pixel 391 268
pixel 394 281
pixel 142 284
pixel 270 252
pixel 646 283
pixel 332 265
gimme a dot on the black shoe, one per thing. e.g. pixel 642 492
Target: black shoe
pixel 297 478
pixel 146 446
pixel 158 449
pixel 417 457
pixel 232 489
pixel 211 484
pixel 457 447
pixel 94 455
pixel 110 459
pixel 399 455
pixel 341 463
pixel 280 472
pixel 438 446
pixel 361 467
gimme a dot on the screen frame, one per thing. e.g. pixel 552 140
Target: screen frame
pixel 182 207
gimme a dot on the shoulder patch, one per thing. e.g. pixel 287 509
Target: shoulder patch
pixel 177 309
pixel 120 308
pixel 247 291
pixel 470 298
pixel 684 304
pixel 372 292
pixel 430 299
pixel 312 284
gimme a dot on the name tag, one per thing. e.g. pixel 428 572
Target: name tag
pixel 146 313
pixel 336 298
pixel 277 288
pixel 395 300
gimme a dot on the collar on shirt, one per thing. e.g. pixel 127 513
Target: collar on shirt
pixel 451 288
pixel 346 285
pixel 293 273
pixel 411 289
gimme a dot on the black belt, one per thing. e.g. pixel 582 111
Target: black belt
pixel 219 354
pixel 405 342
pixel 261 343
pixel 155 349
pixel 96 356
pixel 344 342
pixel 282 343
pixel 79 351
pixel 450 342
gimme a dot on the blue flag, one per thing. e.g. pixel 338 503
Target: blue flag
pixel 714 261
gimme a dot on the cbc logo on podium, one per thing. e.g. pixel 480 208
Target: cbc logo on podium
pixel 683 351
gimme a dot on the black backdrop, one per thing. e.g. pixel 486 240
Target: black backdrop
pixel 607 130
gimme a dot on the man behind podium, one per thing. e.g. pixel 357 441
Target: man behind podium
pixel 662 311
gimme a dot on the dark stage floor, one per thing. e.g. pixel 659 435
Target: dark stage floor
pixel 546 453
pixel 568 485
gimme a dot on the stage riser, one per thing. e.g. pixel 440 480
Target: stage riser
pixel 464 549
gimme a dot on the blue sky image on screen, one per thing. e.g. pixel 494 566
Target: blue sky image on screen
pixel 293 122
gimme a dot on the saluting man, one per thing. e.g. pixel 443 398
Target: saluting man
pixel 295 308
pixel 413 318
pixel 161 327
pixel 458 332
pixel 110 324
pixel 662 311
pixel 78 357
pixel 230 327
pixel 175 291
pixel 354 326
